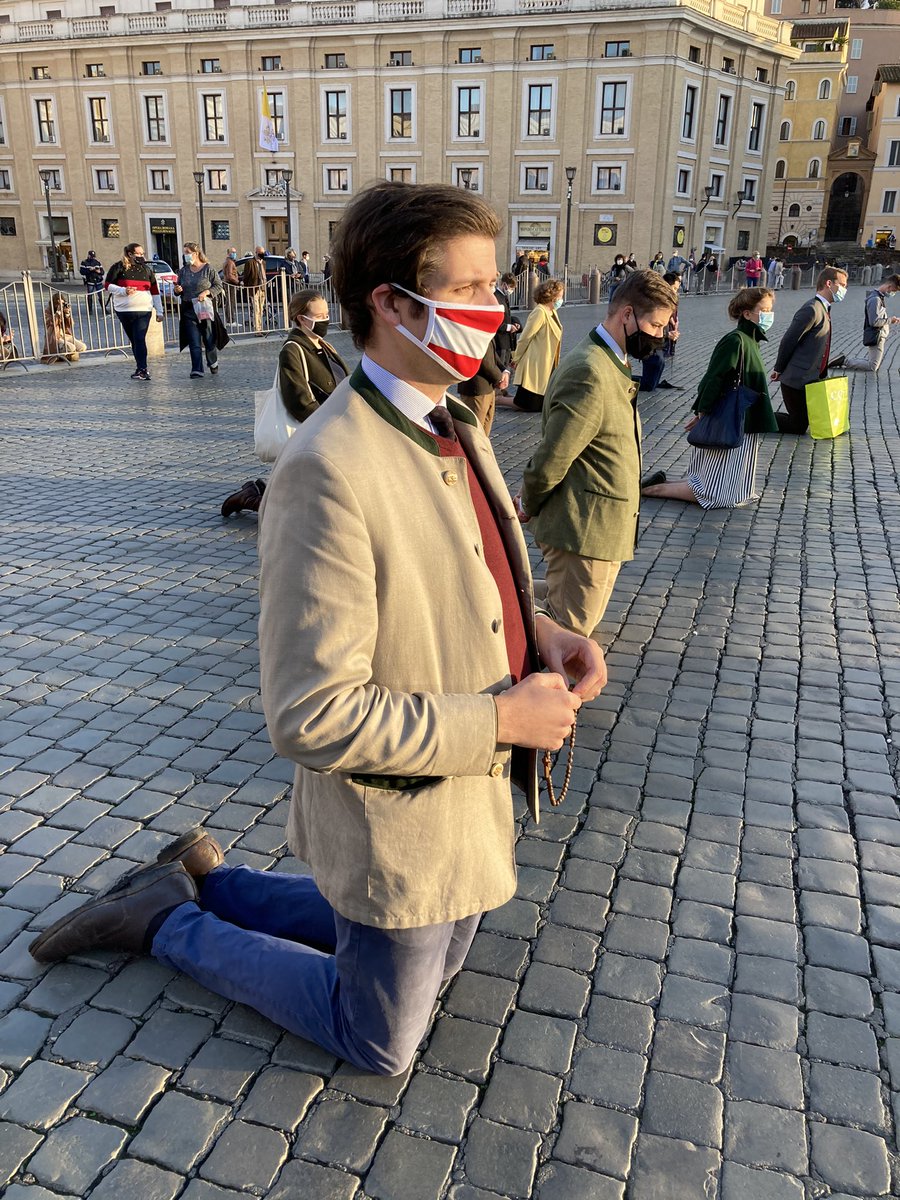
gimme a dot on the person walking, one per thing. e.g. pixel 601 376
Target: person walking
pixel 399 655
pixel 718 477
pixel 537 349
pixel 520 263
pixel 91 271
pixel 753 270
pixel 804 349
pixel 135 299
pixel 581 490
pixel 304 267
pixel 198 287
pixel 309 369
pixel 876 327
pixel 253 278
pixel 232 282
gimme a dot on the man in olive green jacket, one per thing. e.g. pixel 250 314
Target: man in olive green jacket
pixel 581 493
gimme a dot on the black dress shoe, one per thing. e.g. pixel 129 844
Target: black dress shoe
pixel 119 920
pixel 664 383
pixel 654 479
pixel 837 363
pixel 249 497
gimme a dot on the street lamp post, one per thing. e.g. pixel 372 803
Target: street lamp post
pixel 46 176
pixel 783 201
pixel 465 177
pixel 198 179
pixel 570 176
pixel 287 175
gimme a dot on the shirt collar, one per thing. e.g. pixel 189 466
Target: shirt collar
pixel 413 404
pixel 827 303
pixel 612 343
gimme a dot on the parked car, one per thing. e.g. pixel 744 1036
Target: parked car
pixel 275 264
pixel 165 277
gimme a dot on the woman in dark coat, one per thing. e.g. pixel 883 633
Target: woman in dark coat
pixel 480 392
pixel 724 478
pixel 198 288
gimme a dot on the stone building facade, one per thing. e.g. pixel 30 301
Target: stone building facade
pixel 662 112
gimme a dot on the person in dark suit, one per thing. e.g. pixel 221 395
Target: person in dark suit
pixel 804 349
pixel 480 392
pixel 507 335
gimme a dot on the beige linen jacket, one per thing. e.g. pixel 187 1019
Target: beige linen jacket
pixel 381 644
pixel 537 350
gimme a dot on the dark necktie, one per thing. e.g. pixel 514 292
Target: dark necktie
pixel 824 367
pixel 443 422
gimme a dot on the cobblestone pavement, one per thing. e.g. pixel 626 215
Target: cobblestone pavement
pixel 695 993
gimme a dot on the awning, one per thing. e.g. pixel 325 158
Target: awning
pixel 533 244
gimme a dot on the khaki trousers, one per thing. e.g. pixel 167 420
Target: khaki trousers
pixel 578 588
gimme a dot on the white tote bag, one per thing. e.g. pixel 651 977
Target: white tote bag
pixel 273 426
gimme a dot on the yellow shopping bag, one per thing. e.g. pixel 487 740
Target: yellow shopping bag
pixel 828 405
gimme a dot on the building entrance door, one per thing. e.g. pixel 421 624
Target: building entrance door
pixel 276 235
pixel 165 238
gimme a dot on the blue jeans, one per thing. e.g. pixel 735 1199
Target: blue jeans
pixel 201 335
pixel 273 942
pixel 136 326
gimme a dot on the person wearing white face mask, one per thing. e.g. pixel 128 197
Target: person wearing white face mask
pixel 400 660
pixel 720 477
pixel 803 355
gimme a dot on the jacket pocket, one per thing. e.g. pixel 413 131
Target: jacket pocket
pixel 606 494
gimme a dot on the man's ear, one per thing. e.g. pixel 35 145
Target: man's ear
pixel 384 302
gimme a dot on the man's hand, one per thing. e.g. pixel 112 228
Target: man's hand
pixel 520 511
pixel 537 713
pixel 578 659
pixel 775 376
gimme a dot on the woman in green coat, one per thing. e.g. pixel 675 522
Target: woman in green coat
pixel 720 478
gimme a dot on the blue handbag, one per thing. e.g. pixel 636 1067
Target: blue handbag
pixel 722 428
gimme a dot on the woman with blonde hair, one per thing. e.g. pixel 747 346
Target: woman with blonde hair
pixel 724 477
pixel 537 351
pixel 135 296
pixel 60 342
pixel 198 286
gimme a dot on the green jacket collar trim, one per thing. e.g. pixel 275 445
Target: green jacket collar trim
pixel 598 341
pixel 361 383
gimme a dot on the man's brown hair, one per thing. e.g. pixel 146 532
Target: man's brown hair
pixel 829 275
pixel 643 291
pixel 395 233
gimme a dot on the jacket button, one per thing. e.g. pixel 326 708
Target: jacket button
pixel 495 625
pixel 450 477
pixel 496 770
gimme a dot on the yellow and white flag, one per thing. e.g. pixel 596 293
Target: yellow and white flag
pixel 267 138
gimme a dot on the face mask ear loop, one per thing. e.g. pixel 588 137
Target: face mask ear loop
pixel 424 341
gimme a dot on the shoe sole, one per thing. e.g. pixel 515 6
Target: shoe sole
pixel 143 879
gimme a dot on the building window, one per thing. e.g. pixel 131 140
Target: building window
pixel 40 72
pixel 273 178
pixel 794 210
pixel 99 119
pixel 214 117
pixel 270 62
pixel 54 177
pixel 46 124
pixel 472 174
pixel 853 83
pixel 160 181
pixel 722 120
pixel 690 112
pixel 847 126
pixel 825 89
pixel 337 179
pixel 542 53
pixel 5 180
pixel 743 240
pixel 94 71
pixel 221 231
pixel 750 190
pixel 683 182
pixel 540 99
pixel 790 89
pixel 401 112
pixel 818 131
pixel 780 167
pixel 334 61
pixel 716 181
pixel 813 170
pixel 537 179
pixel 754 141
pixel 898 107
pixel 694 54
pixel 784 133
pixel 776 8
pixel 618 50
pixel 155 110
pixel 470 54
pixel 400 174
pixel 612 108
pixel 401 58
pixel 804 6
pixel 336 116
pixel 762 75
pixel 216 179
pixel 608 179
pixel 889 202
pixel 728 66
pixel 856 48
pixel 276 111
pixel 210 66
pixel 104 180
pixel 151 68
pixel 7 226
pixel 109 228
pixel 468 115
pixel 2 129
pixel 894 154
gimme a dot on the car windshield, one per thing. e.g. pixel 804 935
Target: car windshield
pixel 161 267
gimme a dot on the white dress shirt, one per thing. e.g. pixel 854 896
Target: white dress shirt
pixel 414 405
pixel 612 343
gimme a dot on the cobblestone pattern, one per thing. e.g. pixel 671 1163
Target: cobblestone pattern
pixel 695 993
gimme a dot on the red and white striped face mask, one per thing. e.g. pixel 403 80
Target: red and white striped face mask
pixel 457 336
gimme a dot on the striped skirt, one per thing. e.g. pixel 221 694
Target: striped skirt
pixel 724 478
